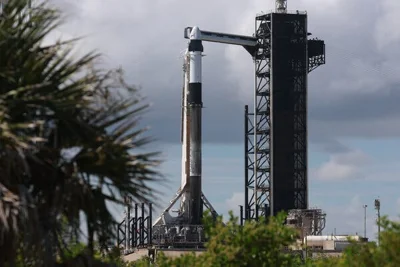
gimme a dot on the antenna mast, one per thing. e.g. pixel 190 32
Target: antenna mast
pixel 280 6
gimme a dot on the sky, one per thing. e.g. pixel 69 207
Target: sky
pixel 354 116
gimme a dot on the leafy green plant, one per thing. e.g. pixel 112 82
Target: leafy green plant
pixel 230 244
pixel 69 136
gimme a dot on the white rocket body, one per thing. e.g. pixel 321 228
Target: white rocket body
pixel 191 134
pixel 190 192
pixel 195 105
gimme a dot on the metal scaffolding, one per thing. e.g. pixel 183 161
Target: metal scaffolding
pixel 258 125
pixel 135 230
pixel 307 221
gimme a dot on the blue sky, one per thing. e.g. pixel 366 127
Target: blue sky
pixel 354 115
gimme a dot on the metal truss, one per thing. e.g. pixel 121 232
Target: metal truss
pixel 308 221
pixel 299 72
pixel 179 236
pixel 316 56
pixel 257 130
pixel 208 206
pixel 135 232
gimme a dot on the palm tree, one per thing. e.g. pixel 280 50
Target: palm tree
pixel 68 136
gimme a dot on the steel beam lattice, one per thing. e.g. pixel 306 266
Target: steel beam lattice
pixel 257 130
pixel 300 71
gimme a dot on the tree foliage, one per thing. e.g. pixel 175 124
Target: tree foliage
pixel 68 140
pixel 230 244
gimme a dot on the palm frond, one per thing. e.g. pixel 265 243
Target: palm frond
pixel 51 102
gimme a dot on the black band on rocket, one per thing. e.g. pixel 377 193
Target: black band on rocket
pixel 194 96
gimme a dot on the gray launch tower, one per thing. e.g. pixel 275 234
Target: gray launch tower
pixel 276 130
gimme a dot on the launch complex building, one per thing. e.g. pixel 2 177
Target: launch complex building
pixel 275 136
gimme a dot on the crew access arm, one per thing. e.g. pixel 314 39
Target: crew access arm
pixel 248 42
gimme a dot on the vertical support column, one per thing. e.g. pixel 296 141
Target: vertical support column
pixel 255 123
pixel 127 224
pixel 150 225
pixel 249 166
pixel 257 209
pixel 246 163
pixel 142 217
pixel 241 215
pixel 261 180
pixel 135 223
pixel 128 234
pixel 118 238
pixel 133 231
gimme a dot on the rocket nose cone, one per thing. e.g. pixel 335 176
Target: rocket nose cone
pixel 195 33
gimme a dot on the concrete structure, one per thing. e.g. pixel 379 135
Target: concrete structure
pixel 331 243
pixel 137 254
pixel 317 247
pixel 307 222
pixel 326 246
pixel 152 253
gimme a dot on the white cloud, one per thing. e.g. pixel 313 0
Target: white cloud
pixel 235 201
pixel 342 166
pixel 360 40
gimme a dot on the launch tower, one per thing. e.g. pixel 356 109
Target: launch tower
pixel 276 129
